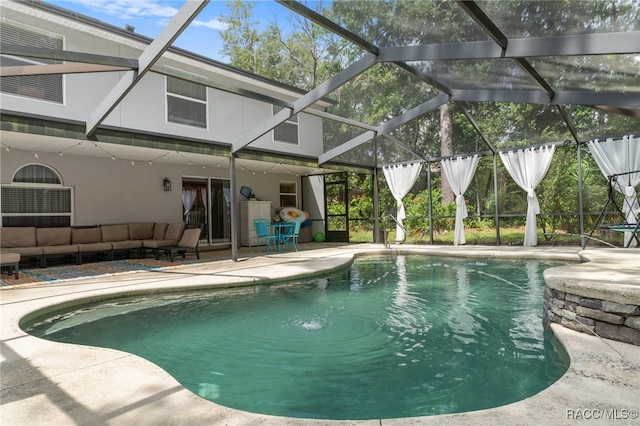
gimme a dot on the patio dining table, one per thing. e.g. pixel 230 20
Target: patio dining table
pixel 280 229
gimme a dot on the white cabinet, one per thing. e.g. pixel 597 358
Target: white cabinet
pixel 250 210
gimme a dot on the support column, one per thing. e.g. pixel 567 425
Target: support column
pixel 430 212
pixel 233 207
pixel 580 204
pixel 376 208
pixel 495 197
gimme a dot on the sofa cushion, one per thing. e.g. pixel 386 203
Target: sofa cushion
pixel 17 236
pixel 27 251
pixel 86 236
pixel 159 230
pixel 141 231
pixel 128 244
pixel 94 247
pixel 53 236
pixel 60 249
pixel 115 232
pixel 8 257
pixel 153 244
pixel 174 231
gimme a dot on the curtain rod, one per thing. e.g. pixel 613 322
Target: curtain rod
pixel 488 152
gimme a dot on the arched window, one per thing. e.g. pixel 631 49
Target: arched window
pixel 37 173
pixel 36 197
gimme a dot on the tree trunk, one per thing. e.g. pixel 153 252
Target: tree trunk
pixel 446 148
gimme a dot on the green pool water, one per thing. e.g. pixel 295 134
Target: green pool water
pixel 393 336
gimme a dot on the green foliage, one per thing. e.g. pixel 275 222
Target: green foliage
pixel 309 54
pixel 305 57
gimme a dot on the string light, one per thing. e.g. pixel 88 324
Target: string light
pixel 151 161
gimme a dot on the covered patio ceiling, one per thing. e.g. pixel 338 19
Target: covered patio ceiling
pixel 499 53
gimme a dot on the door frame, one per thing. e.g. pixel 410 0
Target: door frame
pixel 339 236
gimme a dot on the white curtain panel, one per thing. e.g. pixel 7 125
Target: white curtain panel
pixel 401 179
pixel 459 172
pixel 621 156
pixel 188 198
pixel 203 194
pixel 527 168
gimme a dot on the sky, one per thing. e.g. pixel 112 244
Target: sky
pixel 149 17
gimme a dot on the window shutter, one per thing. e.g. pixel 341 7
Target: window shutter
pixel 186 103
pixel 47 87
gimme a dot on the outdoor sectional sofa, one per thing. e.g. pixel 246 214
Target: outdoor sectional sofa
pixel 48 242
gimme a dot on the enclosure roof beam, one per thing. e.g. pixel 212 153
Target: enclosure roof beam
pixel 306 100
pixel 405 147
pixel 385 127
pixel 618 99
pixel 567 121
pixel 573 45
pixel 481 18
pixel 313 16
pixel 477 14
pixel 475 125
pixel 535 75
pixel 66 55
pixel 52 69
pixel 333 117
pixel 493 95
pixel 357 40
pixel 598 99
pixel 149 56
pixel 413 113
pixel 347 146
pixel 618 110
pixel 422 76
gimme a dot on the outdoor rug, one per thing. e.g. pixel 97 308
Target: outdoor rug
pixel 57 274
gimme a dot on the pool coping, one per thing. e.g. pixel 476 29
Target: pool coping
pixel 50 383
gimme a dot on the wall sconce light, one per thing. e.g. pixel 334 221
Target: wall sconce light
pixel 166 184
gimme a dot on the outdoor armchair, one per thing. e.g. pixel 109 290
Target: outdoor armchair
pixel 263 233
pixel 189 242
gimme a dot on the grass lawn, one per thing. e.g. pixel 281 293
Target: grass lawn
pixel 508 236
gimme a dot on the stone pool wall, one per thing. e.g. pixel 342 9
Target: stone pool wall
pixel 607 319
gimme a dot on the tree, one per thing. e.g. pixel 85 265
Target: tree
pixel 241 38
pixel 304 57
pixel 309 54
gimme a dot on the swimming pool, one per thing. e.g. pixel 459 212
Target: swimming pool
pixel 394 336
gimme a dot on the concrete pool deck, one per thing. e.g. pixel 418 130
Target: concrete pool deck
pixel 47 383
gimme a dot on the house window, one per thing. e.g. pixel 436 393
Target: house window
pixel 46 87
pixel 36 197
pixel 288 194
pixel 186 103
pixel 286 132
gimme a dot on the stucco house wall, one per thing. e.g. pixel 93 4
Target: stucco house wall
pixel 144 108
pixel 109 191
pixel 114 191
